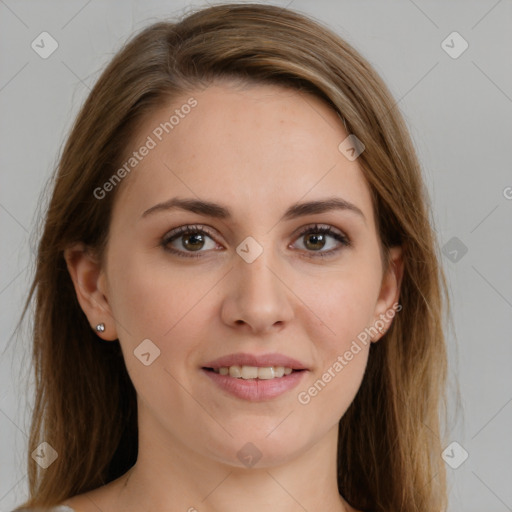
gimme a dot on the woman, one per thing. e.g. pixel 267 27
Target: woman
pixel 238 294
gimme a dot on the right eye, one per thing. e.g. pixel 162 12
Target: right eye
pixel 190 239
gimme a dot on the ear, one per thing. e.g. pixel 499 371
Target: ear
pixel 389 294
pixel 89 281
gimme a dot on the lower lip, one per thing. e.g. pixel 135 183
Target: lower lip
pixel 256 390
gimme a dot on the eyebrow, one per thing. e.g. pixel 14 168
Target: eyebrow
pixel 218 211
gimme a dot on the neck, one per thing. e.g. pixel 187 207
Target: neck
pixel 171 476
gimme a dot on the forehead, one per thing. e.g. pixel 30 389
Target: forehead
pixel 257 147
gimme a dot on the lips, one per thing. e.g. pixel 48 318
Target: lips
pixel 263 360
pixel 255 390
pixel 231 379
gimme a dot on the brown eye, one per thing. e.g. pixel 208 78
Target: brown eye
pixel 315 241
pixel 188 239
pixel 193 241
pixel 315 238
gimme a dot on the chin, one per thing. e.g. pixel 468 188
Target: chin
pixel 259 450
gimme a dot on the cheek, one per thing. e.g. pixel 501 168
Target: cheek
pixel 172 308
pixel 343 304
pixel 150 297
pixel 153 301
pixel 342 348
pixel 330 394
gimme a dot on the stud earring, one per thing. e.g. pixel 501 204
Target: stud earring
pixel 100 328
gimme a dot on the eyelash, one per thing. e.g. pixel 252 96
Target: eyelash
pixel 195 229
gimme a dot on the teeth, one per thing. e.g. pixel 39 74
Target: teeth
pixel 251 372
pixel 235 371
pixel 254 372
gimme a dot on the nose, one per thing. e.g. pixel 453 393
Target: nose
pixel 258 298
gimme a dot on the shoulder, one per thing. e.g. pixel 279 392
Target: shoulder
pixel 101 498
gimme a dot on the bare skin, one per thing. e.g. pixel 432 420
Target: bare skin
pixel 256 150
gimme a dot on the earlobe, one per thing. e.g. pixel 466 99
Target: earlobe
pixel 390 292
pixel 88 280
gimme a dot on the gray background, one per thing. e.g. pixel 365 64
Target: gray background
pixel 459 111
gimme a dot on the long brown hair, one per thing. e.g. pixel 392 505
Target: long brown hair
pixel 390 439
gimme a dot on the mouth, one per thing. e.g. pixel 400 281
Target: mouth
pixel 255 377
pixel 253 372
pixel 254 383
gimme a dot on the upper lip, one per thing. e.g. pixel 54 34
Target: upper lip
pixel 262 360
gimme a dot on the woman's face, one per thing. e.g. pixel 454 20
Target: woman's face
pixel 243 279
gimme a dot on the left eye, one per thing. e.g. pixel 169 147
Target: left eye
pixel 195 238
pixel 315 239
